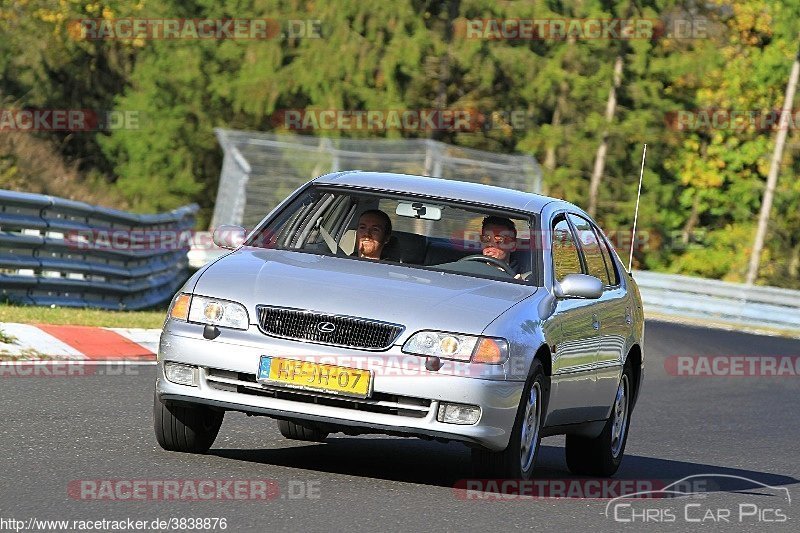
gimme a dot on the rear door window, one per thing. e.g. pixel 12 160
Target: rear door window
pixel 592 253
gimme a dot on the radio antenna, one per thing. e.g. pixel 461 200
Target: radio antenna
pixel 636 213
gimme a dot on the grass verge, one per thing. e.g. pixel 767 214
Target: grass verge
pixel 5 338
pixel 28 314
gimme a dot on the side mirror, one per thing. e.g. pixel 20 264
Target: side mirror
pixel 578 286
pixel 228 236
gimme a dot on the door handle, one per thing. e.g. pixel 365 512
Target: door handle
pixel 628 317
pixel 595 322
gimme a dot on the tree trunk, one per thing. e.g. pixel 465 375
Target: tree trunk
pixel 561 105
pixel 602 150
pixel 794 264
pixel 550 154
pixel 772 176
pixel 445 72
pixel 694 218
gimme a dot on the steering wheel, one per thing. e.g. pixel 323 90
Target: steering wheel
pixel 490 261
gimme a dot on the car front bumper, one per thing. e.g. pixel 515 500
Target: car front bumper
pixel 401 402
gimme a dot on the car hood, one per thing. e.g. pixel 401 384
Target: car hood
pixel 412 297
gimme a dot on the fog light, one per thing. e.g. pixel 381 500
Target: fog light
pixel 181 374
pixel 457 413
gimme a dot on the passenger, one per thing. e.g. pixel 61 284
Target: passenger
pixel 373 232
pixel 499 240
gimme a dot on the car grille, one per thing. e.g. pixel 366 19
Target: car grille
pixel 335 330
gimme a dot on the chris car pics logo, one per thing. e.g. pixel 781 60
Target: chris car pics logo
pixel 705 499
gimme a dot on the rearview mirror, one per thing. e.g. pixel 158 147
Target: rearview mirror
pixel 228 236
pixel 419 210
pixel 578 286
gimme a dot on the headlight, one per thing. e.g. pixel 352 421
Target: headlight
pixel 457 346
pixel 216 312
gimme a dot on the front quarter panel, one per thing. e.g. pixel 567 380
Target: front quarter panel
pixel 521 325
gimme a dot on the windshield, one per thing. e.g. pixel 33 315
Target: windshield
pixel 416 232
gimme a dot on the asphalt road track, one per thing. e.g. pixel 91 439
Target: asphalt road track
pixel 57 430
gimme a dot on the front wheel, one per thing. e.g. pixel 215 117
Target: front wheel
pixel 519 457
pixel 183 428
pixel 602 455
pixel 295 431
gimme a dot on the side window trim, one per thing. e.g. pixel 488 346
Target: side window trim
pixel 606 252
pixel 578 244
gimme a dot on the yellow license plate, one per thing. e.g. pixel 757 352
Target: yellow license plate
pixel 319 377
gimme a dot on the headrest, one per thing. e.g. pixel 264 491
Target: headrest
pixel 405 248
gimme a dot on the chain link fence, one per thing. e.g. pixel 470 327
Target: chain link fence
pixel 261 169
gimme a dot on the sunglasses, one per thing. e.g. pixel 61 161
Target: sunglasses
pixel 505 239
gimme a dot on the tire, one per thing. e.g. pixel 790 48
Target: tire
pixel 183 428
pixel 517 461
pixel 295 431
pixel 601 456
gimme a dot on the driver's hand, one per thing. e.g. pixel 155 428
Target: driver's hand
pixel 493 252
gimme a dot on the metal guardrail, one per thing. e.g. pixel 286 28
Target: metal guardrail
pixel 690 297
pixel 55 251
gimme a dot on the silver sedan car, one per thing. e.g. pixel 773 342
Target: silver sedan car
pixel 407 305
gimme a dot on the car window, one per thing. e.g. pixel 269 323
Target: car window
pixel 610 265
pixel 565 253
pixel 595 264
pixel 325 221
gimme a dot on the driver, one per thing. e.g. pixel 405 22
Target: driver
pixel 372 233
pixel 499 239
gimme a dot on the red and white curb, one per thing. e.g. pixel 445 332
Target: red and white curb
pixel 79 343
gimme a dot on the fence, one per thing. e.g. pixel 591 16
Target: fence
pixel 68 253
pixel 261 169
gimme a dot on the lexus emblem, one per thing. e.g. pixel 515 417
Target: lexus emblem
pixel 326 327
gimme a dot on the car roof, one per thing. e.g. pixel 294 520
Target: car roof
pixel 442 188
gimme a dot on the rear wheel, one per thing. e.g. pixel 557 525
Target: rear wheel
pixel 183 428
pixel 602 455
pixel 519 457
pixel 293 430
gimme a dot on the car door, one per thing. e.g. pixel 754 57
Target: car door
pixel 574 337
pixel 611 312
